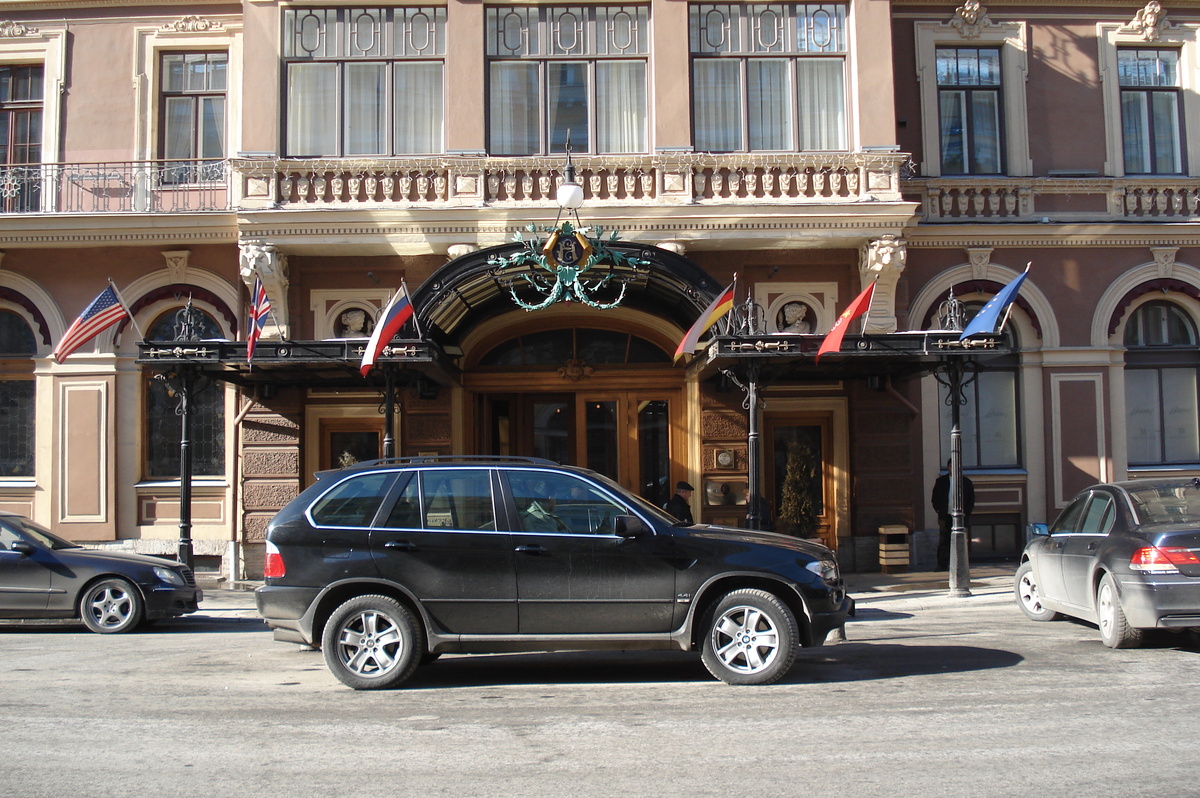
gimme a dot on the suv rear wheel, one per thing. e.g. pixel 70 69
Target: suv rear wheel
pixel 751 638
pixel 372 643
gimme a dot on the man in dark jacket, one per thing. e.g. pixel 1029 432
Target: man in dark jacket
pixel 940 499
pixel 680 505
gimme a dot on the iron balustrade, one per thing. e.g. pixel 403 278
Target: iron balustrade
pixel 163 186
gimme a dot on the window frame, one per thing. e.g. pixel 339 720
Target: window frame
pixel 1012 39
pixel 1159 359
pixel 393 46
pixel 538 48
pixel 1150 153
pixel 786 49
pixel 1114 36
pixel 192 169
pixel 969 92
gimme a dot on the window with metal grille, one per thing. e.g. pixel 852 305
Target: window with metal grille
pixel 206 411
pixel 768 77
pixel 559 70
pixel 363 81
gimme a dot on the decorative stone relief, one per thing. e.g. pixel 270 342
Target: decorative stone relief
pixel 15 30
pixel 177 264
pixel 1164 259
pixel 970 19
pixel 1149 22
pixel 258 258
pixel 882 261
pixel 455 251
pixel 979 258
pixel 193 24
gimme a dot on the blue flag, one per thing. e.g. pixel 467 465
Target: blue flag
pixel 987 320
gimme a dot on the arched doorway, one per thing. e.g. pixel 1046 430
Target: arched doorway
pixel 581 386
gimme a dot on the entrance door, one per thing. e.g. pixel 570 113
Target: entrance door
pixel 346 441
pixel 799 480
pixel 625 435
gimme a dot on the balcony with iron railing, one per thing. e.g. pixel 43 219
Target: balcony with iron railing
pixel 116 187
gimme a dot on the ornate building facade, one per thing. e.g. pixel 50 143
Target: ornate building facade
pixel 805 150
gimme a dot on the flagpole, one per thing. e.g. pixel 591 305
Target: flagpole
pixel 867 313
pixel 132 319
pixel 1008 310
pixel 416 322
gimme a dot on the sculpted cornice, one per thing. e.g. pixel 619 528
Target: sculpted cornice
pixel 1053 236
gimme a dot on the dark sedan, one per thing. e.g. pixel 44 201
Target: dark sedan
pixel 45 576
pixel 1124 555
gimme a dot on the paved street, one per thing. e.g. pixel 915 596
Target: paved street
pixel 929 696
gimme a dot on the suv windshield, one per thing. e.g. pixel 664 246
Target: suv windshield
pixel 642 505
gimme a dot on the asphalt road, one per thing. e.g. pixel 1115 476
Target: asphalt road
pixel 929 696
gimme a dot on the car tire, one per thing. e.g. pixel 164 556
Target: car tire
pixel 1028 598
pixel 1115 631
pixel 372 643
pixel 111 607
pixel 750 637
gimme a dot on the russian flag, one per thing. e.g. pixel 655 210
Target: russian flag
pixel 397 311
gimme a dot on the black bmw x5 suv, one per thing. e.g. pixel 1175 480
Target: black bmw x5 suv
pixel 388 564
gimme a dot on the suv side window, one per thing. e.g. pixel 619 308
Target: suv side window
pixel 548 502
pixel 456 499
pixel 353 502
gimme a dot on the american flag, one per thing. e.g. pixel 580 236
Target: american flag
pixel 259 307
pixel 105 311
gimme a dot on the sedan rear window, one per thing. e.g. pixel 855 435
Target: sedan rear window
pixel 1167 504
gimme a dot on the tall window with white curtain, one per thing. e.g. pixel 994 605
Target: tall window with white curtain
pixel 969 120
pixel 1162 386
pixel 364 81
pixel 768 77
pixel 554 69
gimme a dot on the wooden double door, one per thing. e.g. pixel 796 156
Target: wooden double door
pixel 631 436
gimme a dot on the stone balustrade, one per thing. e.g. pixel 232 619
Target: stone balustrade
pixel 1055 198
pixel 684 178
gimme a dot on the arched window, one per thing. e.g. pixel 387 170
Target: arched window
pixel 1162 365
pixel 17 394
pixel 989 419
pixel 207 412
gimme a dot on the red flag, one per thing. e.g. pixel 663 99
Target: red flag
pixel 860 305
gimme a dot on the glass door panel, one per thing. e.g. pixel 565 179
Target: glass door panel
pixel 603 446
pixel 551 429
pixel 654 450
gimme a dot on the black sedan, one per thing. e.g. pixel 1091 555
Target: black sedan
pixel 44 576
pixel 1124 555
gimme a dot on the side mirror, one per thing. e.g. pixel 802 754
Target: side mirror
pixel 23 547
pixel 629 526
pixel 1039 531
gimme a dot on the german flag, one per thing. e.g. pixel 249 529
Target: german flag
pixel 719 307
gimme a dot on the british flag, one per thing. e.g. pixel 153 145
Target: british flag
pixel 260 305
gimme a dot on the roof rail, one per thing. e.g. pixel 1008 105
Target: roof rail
pixel 454 458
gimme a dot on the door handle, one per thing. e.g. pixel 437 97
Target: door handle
pixel 1092 546
pixel 402 545
pixel 530 549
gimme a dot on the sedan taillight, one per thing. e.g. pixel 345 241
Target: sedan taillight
pixel 273 567
pixel 1162 560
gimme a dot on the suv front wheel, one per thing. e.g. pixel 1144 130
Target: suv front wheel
pixel 751 638
pixel 372 643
